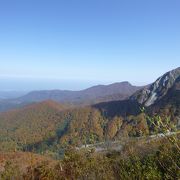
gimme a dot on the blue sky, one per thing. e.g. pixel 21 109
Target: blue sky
pixel 73 44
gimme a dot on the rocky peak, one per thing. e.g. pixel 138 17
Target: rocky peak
pixel 158 89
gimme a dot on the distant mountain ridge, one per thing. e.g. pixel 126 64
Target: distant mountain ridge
pixel 95 94
pixel 11 94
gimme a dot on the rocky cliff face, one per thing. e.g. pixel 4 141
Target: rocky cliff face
pixel 156 91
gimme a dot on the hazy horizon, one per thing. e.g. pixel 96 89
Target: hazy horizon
pixel 51 84
pixel 33 84
pixel 27 84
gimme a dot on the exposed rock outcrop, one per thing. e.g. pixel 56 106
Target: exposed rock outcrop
pixel 156 91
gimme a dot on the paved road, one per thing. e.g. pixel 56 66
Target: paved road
pixel 117 145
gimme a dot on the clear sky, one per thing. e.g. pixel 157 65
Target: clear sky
pixel 73 44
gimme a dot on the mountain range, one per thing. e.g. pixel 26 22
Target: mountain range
pixel 49 125
pixel 96 94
